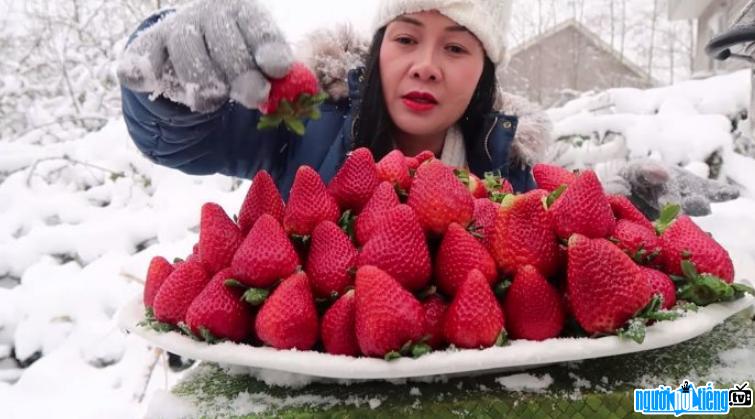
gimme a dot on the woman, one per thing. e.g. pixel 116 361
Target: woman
pixel 428 81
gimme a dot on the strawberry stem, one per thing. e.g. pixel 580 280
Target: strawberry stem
pixel 255 296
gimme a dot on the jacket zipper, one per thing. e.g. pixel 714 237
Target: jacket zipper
pixel 487 137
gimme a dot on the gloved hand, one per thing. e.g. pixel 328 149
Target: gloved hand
pixel 651 184
pixel 207 52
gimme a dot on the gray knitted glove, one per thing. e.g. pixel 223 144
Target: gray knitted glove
pixel 207 52
pixel 652 184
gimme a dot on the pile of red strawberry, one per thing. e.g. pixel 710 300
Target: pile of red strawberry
pixel 410 255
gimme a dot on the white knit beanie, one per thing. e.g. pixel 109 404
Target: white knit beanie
pixel 488 20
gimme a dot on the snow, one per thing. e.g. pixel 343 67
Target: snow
pixel 525 382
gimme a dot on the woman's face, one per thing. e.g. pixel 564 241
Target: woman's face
pixel 429 67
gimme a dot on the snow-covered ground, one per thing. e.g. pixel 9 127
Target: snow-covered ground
pixel 80 220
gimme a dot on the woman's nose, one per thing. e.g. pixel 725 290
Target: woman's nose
pixel 426 67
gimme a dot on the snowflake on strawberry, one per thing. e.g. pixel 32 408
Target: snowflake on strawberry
pixel 406 255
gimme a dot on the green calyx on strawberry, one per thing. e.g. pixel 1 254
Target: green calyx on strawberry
pixel 497 186
pixel 704 289
pixel 472 182
pixel 294 97
pixel 636 327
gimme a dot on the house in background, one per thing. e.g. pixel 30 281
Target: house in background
pixel 712 17
pixel 568 58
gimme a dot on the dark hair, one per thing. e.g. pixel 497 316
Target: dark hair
pixel 373 124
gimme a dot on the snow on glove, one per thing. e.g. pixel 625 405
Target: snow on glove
pixel 653 184
pixel 207 52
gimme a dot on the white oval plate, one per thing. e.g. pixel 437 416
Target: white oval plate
pixel 519 354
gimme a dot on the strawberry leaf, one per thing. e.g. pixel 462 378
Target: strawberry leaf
pixel 234 284
pixel 688 269
pixel 706 289
pixel 502 339
pixel 186 330
pixel 635 330
pixel 320 97
pixel 553 196
pixel 294 125
pixel 653 310
pixel 462 175
pixel 501 288
pixel 269 122
pixel 668 214
pixel 687 305
pixel 150 322
pixel 740 288
pixel 285 109
pixel 347 222
pixel 390 356
pixel 420 349
pixel 207 336
pixel 427 292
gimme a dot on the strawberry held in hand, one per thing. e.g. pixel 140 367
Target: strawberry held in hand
pixel 292 98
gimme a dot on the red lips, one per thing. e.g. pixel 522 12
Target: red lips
pixel 421 97
pixel 419 101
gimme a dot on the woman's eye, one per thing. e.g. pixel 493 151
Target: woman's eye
pixel 404 40
pixel 456 49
